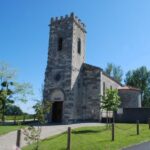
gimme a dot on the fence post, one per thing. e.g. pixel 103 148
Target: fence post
pixel 137 127
pixel 149 123
pixel 69 139
pixel 18 138
pixel 113 132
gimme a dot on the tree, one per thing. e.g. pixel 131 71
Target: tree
pixel 5 95
pixel 32 134
pixel 41 109
pixel 10 90
pixel 13 110
pixel 146 98
pixel 114 71
pixel 110 101
pixel 109 69
pixel 140 78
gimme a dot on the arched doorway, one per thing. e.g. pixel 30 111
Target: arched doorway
pixel 57 98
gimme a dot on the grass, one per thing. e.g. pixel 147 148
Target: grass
pixel 96 138
pixel 7 129
pixel 19 117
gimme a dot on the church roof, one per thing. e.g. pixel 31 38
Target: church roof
pixel 129 88
pixel 91 67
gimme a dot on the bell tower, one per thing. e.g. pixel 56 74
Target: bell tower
pixel 66 55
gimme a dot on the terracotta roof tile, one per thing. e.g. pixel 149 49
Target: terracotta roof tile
pixel 128 88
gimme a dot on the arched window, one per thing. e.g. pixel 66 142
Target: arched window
pixel 79 46
pixel 60 43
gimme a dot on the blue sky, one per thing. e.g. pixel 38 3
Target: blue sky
pixel 118 31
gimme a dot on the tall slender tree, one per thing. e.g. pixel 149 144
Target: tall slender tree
pixel 110 101
pixel 114 71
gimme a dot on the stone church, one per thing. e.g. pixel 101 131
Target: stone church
pixel 72 85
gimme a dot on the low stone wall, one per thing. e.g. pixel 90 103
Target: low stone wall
pixel 131 115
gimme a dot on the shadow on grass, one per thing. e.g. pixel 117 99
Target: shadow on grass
pixel 87 131
pixel 132 134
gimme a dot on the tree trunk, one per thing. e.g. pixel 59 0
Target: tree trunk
pixel 107 119
pixel 113 116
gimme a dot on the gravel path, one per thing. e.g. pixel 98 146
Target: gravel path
pixel 7 141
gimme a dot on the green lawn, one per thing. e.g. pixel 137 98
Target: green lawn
pixel 97 138
pixel 19 117
pixel 6 129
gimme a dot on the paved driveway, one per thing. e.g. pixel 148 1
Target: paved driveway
pixel 7 141
pixel 143 146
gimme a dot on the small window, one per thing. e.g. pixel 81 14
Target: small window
pixel 79 46
pixel 60 44
pixel 57 77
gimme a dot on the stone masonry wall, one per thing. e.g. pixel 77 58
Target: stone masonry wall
pixel 130 98
pixel 59 62
pixel 109 82
pixel 77 62
pixel 91 92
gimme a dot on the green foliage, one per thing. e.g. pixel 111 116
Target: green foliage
pixel 22 90
pixel 6 72
pixel 5 95
pixel 13 110
pixel 140 78
pixel 111 100
pixel 146 98
pixel 32 134
pixel 10 91
pixel 114 71
pixel 19 117
pixel 41 109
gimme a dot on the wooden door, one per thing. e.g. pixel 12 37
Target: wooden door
pixel 57 111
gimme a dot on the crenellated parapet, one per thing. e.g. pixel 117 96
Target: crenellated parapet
pixel 68 18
